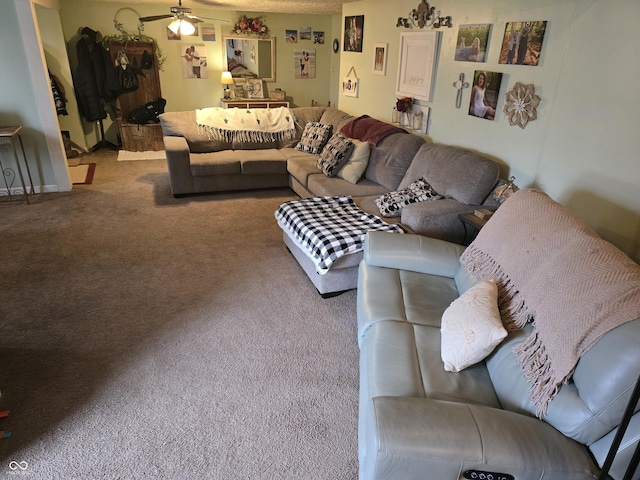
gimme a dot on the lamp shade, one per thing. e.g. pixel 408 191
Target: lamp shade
pixel 226 78
pixel 181 27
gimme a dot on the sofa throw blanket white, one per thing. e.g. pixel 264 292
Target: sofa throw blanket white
pixel 328 228
pixel 247 124
pixel 552 268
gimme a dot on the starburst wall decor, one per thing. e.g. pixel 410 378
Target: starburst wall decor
pixel 521 103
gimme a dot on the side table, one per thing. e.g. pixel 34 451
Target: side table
pixel 8 136
pixel 472 226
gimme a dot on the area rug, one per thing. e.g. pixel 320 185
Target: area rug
pixel 124 155
pixel 82 174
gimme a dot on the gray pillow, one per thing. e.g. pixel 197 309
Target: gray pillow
pixel 390 204
pixel 314 137
pixel 334 155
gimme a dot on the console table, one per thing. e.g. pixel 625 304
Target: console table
pixel 252 103
pixel 8 136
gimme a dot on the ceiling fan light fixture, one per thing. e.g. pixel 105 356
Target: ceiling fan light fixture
pixel 181 27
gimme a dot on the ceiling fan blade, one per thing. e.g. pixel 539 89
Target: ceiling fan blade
pixel 215 19
pixel 154 17
pixel 191 19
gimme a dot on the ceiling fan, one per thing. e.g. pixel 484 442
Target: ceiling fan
pixel 183 22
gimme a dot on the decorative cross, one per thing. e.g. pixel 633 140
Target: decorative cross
pixel 460 84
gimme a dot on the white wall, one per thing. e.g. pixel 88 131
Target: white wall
pixel 582 149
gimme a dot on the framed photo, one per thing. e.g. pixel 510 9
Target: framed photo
pixel 305 33
pixel 416 64
pixel 208 33
pixel 253 88
pixel 522 43
pixel 304 62
pixel 484 94
pixel 238 90
pixel 173 36
pixel 353 31
pixel 350 86
pixel 472 43
pixel 318 37
pixel 194 60
pixel 380 58
pixel 291 35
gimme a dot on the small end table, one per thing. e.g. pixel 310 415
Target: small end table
pixel 472 226
pixel 7 137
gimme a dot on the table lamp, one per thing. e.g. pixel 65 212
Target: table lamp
pixel 226 79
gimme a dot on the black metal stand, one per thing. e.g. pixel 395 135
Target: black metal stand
pixel 624 423
pixel 103 143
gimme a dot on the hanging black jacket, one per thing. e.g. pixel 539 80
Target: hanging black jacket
pixel 94 80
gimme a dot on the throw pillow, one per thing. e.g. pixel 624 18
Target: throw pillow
pixel 353 170
pixel 391 203
pixel 471 327
pixel 314 136
pixel 334 155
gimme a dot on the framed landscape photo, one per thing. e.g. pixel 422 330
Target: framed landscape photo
pixel 472 43
pixel 522 43
pixel 380 58
pixel 416 65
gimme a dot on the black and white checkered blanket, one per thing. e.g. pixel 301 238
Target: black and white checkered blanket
pixel 328 227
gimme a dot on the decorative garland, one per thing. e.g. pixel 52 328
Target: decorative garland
pixel 251 26
pixel 133 36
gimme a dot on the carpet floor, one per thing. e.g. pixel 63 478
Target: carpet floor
pixel 143 336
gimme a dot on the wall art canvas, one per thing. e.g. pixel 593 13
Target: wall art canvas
pixel 304 61
pixel 353 33
pixel 472 44
pixel 522 43
pixel 305 33
pixel 484 94
pixel 291 35
pixel 208 33
pixel 318 37
pixel 416 65
pixel 194 60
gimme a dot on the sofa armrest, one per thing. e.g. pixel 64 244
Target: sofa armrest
pixel 178 164
pixel 408 436
pixel 415 253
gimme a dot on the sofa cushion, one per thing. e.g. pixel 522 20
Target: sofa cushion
pixel 356 165
pixel 334 155
pixel 471 327
pixel 215 163
pixel 320 184
pixel 335 117
pixel 314 137
pixel 183 124
pixel 256 162
pixel 303 115
pixel 454 172
pixel 391 204
pixel 389 160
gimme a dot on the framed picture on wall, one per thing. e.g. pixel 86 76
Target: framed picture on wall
pixel 522 43
pixel 353 32
pixel 472 43
pixel 416 64
pixel 380 58
pixel 484 94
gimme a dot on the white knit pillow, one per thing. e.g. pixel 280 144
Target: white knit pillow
pixel 471 327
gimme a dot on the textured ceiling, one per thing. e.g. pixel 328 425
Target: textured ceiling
pixel 314 7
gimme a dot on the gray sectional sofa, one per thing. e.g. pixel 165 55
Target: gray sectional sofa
pixel 198 163
pixel 418 420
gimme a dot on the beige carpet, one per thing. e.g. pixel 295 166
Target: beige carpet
pixel 82 174
pixel 147 337
pixel 124 155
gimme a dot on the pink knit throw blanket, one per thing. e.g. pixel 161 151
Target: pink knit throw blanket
pixel 552 268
